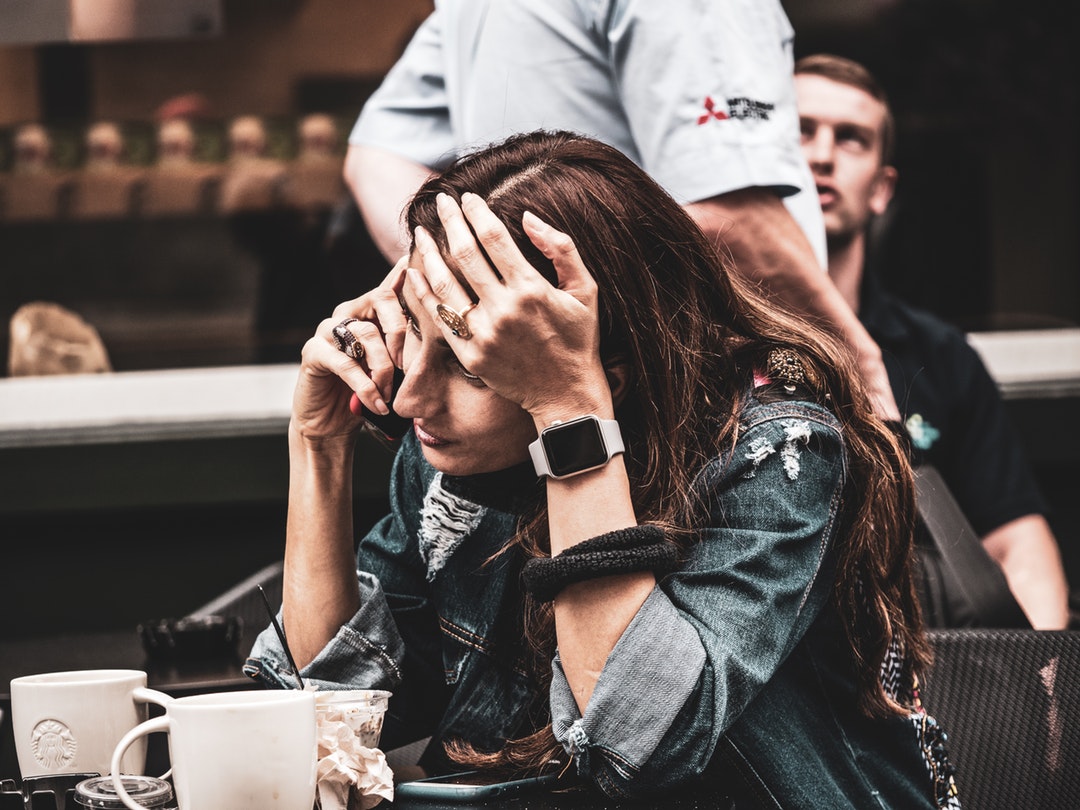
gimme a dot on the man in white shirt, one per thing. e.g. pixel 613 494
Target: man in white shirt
pixel 699 94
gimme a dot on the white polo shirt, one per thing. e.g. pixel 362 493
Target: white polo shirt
pixel 699 93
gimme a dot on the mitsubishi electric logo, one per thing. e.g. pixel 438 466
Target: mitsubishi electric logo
pixel 740 109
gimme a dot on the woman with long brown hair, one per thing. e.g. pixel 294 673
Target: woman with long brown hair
pixel 642 518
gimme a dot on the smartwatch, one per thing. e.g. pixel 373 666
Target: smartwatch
pixel 576 446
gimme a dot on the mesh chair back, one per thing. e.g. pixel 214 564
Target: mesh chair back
pixel 1009 701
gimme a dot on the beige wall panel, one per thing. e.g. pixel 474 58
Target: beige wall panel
pixel 253 68
pixel 18 85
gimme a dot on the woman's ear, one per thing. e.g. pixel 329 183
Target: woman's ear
pixel 620 377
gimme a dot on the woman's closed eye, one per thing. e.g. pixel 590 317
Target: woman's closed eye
pixel 468 375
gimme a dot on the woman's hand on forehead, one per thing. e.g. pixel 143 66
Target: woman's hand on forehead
pixel 529 341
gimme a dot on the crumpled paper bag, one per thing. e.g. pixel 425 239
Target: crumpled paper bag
pixel 349 776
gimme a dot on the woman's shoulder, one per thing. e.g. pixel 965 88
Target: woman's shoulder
pixel 763 406
pixel 781 438
pixel 788 384
pixel 770 426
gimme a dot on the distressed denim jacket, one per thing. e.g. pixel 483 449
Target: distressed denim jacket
pixel 732 671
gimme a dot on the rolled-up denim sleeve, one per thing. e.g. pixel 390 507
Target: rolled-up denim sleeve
pixel 647 679
pixel 366 653
pixel 710 636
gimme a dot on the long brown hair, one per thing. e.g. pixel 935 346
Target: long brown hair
pixel 692 332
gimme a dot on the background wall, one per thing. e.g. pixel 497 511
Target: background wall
pixel 197 290
pixel 269 50
pixel 18 87
pixel 272 47
pixel 982 230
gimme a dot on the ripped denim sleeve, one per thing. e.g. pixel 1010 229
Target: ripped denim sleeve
pixel 796 433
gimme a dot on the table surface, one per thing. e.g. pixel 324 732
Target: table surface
pixel 135 406
pixel 544 801
pixel 115 650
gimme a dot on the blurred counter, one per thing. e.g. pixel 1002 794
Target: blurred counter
pixel 155 438
pixel 1035 364
pixel 146 405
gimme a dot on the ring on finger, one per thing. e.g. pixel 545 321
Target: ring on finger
pixel 346 341
pixel 456 320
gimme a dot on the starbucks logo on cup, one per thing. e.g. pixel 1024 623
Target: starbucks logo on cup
pixel 53 744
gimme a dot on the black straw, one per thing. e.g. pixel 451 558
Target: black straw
pixel 281 637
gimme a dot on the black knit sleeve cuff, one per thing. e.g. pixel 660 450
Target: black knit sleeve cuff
pixel 638 548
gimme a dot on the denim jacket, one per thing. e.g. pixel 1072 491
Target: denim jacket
pixel 733 669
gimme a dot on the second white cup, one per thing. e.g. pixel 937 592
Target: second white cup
pixel 235 751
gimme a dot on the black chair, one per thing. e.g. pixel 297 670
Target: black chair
pixel 1009 701
pixel 960 584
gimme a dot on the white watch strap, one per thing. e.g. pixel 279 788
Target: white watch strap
pixel 539 458
pixel 609 429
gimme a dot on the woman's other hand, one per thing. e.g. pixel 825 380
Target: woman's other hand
pixel 329 377
pixel 530 342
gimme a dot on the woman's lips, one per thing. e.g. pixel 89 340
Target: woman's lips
pixel 428 439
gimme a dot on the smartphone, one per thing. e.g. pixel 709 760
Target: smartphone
pixel 391 426
pixel 473 786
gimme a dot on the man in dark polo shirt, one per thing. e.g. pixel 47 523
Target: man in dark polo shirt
pixel 948 401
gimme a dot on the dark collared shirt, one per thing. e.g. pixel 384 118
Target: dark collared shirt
pixel 952 410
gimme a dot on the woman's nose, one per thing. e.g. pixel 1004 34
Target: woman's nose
pixel 419 393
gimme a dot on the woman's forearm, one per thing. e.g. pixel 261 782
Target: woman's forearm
pixel 320 592
pixel 591 616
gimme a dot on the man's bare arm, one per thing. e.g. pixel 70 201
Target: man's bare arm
pixel 769 247
pixel 382 183
pixel 1028 554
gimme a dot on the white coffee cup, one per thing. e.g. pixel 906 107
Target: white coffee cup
pixel 70 722
pixel 236 750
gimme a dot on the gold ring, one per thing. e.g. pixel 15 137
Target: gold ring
pixel 346 341
pixel 456 320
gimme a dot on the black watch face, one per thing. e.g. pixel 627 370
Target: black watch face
pixel 574 447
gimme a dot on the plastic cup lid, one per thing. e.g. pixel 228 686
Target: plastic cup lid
pixel 146 790
pixel 368 697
